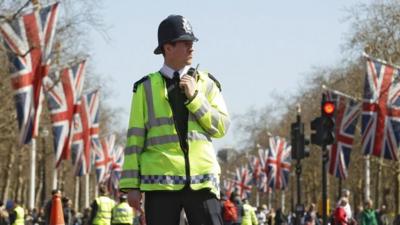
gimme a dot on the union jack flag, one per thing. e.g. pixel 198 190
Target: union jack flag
pixel 29 40
pixel 115 172
pixel 104 157
pixel 381 110
pixel 63 91
pixel 263 181
pixel 254 169
pixel 278 163
pixel 346 117
pixel 243 182
pixel 83 138
pixel 228 187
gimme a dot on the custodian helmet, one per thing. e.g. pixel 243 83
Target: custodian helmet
pixel 174 28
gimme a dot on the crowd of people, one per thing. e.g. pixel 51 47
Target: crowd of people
pixel 238 211
pixel 234 211
pixel 103 210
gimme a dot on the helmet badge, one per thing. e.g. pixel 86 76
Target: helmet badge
pixel 186 26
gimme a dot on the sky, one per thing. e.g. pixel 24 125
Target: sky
pixel 256 49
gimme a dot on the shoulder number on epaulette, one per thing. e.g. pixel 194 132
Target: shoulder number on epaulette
pixel 136 84
pixel 215 80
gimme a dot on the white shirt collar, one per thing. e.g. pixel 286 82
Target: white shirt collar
pixel 169 72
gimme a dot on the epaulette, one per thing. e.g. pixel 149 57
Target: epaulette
pixel 215 80
pixel 136 84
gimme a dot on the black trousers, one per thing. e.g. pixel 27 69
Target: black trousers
pixel 164 207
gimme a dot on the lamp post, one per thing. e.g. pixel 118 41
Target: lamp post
pixel 43 134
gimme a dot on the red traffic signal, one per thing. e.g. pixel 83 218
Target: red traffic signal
pixel 328 108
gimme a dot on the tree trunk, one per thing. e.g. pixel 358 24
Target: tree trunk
pixel 378 183
pixel 38 191
pixel 20 180
pixel 25 192
pixel 8 176
pixel 315 186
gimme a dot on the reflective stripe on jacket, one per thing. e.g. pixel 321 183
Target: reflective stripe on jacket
pixel 153 143
pixel 104 208
pixel 122 213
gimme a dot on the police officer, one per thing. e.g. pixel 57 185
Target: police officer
pixel 249 215
pixel 122 214
pixel 169 154
pixel 16 213
pixel 101 208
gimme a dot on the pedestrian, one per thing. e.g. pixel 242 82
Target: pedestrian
pixel 271 216
pixel 368 216
pixel 3 214
pixel 357 213
pixel 67 210
pixel 382 216
pixel 86 216
pixel 235 199
pixel 41 219
pixel 229 212
pixel 340 216
pixel 311 215
pixel 347 207
pixel 280 217
pixel 47 207
pixel 122 213
pixel 261 217
pixel 101 208
pixel 249 216
pixel 169 154
pixel 16 213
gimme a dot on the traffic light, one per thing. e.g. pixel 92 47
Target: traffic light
pixel 324 125
pixel 299 151
pixel 294 133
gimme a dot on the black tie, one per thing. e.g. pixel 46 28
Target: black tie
pixel 176 75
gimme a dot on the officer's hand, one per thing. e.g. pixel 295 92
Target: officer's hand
pixel 134 198
pixel 188 83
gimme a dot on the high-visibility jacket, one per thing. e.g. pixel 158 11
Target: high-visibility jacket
pixel 122 214
pixel 249 216
pixel 154 159
pixel 104 208
pixel 20 216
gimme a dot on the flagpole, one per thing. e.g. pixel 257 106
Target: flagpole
pixel 381 61
pixel 269 199
pixel 32 179
pixel 367 177
pixel 398 190
pixel 76 206
pixel 283 200
pixel 55 178
pixel 257 198
pixel 378 182
pixel 87 190
pixel 340 93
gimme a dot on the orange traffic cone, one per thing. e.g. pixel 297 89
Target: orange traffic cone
pixel 56 214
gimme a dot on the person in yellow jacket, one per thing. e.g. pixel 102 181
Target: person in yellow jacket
pixel 101 208
pixel 249 215
pixel 16 213
pixel 122 213
pixel 169 153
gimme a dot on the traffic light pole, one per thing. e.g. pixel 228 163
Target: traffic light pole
pixel 325 158
pixel 298 175
pixel 323 136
